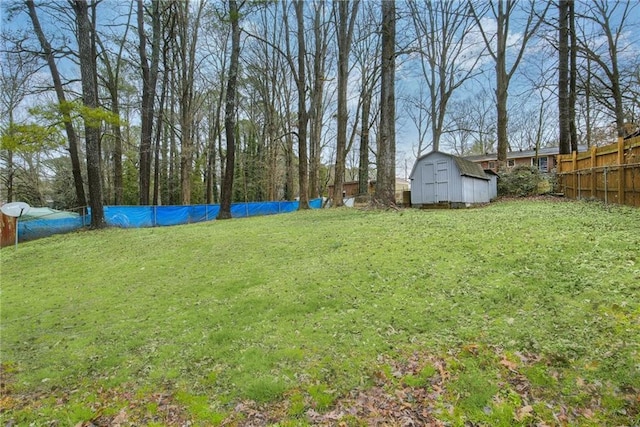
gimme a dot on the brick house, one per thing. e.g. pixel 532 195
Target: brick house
pixel 546 158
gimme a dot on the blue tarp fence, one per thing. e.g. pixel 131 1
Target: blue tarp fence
pixel 153 216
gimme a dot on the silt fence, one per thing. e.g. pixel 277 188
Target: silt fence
pixel 153 216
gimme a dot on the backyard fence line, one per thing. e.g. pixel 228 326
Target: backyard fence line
pixel 154 216
pixel 610 173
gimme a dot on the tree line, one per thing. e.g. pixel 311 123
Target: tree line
pixel 211 101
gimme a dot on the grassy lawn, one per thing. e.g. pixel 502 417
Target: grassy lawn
pixel 518 313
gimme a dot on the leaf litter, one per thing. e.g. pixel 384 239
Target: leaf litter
pixel 391 400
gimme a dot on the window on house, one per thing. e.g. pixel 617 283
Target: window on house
pixel 511 163
pixel 492 165
pixel 543 163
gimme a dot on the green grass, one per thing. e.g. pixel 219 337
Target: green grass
pixel 296 310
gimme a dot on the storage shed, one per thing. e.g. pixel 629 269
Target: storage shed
pixel 441 178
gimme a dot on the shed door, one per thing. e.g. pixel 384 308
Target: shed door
pixel 429 183
pixel 436 182
pixel 442 181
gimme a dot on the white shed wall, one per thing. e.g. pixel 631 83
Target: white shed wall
pixel 475 190
pixel 493 187
pixel 435 178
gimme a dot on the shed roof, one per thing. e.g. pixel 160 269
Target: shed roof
pixel 466 167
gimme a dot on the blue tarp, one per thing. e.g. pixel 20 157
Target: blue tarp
pixel 154 216
pixel 37 228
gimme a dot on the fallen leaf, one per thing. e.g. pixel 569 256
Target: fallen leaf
pixel 120 419
pixel 587 413
pixel 508 364
pixel 524 412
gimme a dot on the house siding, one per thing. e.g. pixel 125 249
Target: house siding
pixel 521 158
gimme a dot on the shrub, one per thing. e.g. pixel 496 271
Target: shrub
pixel 520 181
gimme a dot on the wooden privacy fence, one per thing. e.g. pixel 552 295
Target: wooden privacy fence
pixel 610 173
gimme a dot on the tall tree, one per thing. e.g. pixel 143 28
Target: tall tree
pixel 186 43
pixel 65 108
pixel 87 56
pixel 316 108
pixel 573 75
pixel 503 13
pixel 266 70
pixel 563 77
pixel 110 79
pixel 442 29
pixel 366 51
pixel 303 115
pixel 345 13
pixel 149 72
pixel 16 74
pixel 602 43
pixel 218 39
pixel 298 70
pixel 230 113
pixel 386 156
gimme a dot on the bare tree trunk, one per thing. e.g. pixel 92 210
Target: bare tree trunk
pixel 386 159
pixel 117 157
pixel 10 174
pixel 502 86
pixel 363 164
pixel 229 114
pixel 288 146
pixel 112 83
pixel 503 12
pixel 587 100
pixel 158 169
pixel 563 77
pixel 573 70
pixel 303 167
pixel 210 175
pixel 149 80
pixel 64 105
pixel 345 22
pixel 317 98
pixel 289 169
pixel 174 164
pixel 86 53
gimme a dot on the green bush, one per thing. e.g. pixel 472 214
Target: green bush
pixel 520 181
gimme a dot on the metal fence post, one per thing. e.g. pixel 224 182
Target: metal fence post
pixel 605 186
pixel 579 186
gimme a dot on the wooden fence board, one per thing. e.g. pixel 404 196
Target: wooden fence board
pixel 610 173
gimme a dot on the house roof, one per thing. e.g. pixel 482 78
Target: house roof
pixel 466 167
pixel 544 151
